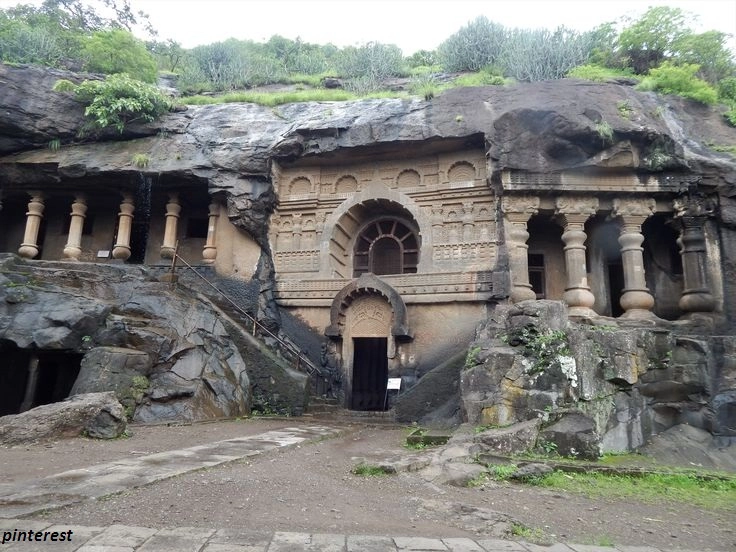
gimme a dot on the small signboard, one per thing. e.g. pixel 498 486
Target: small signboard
pixel 103 254
pixel 394 383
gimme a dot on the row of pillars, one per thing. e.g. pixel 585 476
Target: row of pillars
pixel 121 250
pixel 636 301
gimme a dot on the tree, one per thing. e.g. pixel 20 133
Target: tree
pixel 118 51
pixel 169 54
pixel 653 38
pixel 707 50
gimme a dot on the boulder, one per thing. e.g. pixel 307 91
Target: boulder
pixel 572 435
pixel 514 439
pixel 97 415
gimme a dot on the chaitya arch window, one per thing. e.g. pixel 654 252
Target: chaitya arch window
pixel 386 246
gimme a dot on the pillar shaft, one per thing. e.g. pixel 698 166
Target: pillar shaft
pixel 29 247
pixel 636 300
pixel 173 209
pixel 121 250
pixel 31 384
pixel 73 248
pixel 574 212
pixel 209 253
pixel 691 216
pixel 517 211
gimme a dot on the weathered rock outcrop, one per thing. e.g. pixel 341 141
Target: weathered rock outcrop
pixel 165 352
pixel 97 415
pixel 597 388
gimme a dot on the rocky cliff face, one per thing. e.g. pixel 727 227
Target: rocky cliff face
pixel 167 353
pixel 542 127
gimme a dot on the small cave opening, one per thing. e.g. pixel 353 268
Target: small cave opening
pixel 30 378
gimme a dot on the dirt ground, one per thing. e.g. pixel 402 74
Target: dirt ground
pixel 310 488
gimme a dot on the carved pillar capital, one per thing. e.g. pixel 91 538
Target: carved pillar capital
pixel 575 210
pixel 693 206
pixel 634 211
pixel 519 208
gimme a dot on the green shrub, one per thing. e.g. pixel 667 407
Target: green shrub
pixel 730 116
pixel 681 81
pixel 373 61
pixel 727 89
pixel 486 76
pixel 117 101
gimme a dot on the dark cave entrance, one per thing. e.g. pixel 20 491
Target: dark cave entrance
pixel 370 373
pixel 32 378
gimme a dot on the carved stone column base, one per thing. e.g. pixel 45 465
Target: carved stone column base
pixel 581 312
pixel 121 252
pixel 27 250
pixel 167 252
pixel 697 301
pixel 639 314
pixel 72 253
pixel 522 293
pixel 578 297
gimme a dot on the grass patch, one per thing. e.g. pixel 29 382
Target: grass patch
pixel 723 148
pixel 531 534
pixel 596 73
pixel 271 99
pixel 651 488
pixel 369 470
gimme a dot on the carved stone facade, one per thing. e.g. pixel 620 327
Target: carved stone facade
pixel 416 232
pixel 395 259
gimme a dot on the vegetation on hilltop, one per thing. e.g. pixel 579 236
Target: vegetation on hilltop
pixel 659 49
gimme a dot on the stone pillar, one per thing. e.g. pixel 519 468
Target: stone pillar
pixel 468 222
pixel 690 216
pixel 636 300
pixel 438 225
pixel 31 384
pixel 121 250
pixel 73 247
pixel 574 211
pixel 209 253
pixel 173 209
pixel 517 212
pixel 29 247
pixel 296 229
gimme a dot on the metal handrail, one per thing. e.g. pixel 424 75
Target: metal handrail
pixel 311 369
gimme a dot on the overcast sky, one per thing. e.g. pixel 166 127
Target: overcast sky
pixel 410 24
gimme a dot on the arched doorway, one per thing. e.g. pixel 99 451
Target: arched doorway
pixel 368 321
pixel 367 318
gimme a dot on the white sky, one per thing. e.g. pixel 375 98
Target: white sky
pixel 410 24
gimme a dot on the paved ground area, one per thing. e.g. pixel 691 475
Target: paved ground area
pixel 22 496
pixel 100 480
pixel 122 538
